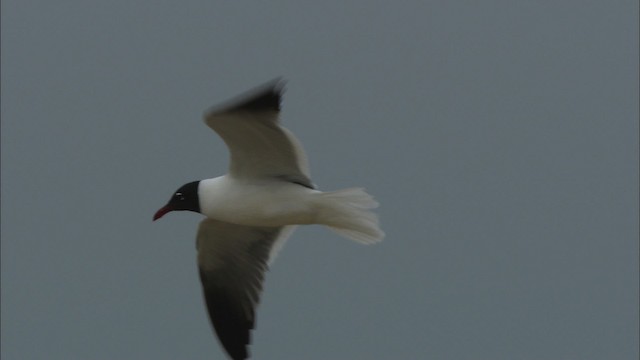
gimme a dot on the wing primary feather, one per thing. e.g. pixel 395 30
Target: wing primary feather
pixel 265 97
pixel 229 319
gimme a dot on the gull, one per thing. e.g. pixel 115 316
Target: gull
pixel 250 211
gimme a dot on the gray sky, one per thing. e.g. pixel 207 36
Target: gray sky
pixel 501 138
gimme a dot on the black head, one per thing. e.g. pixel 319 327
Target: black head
pixel 185 198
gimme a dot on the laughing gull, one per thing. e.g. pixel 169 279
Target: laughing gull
pixel 250 211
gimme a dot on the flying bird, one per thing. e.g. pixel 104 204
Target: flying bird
pixel 250 211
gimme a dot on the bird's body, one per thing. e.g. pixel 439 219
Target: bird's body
pixel 259 202
pixel 250 212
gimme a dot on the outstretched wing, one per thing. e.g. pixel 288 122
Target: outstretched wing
pixel 232 260
pixel 259 146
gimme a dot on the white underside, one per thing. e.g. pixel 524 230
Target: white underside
pixel 273 202
pixel 257 202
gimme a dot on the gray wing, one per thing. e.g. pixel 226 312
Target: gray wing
pixel 259 146
pixel 232 260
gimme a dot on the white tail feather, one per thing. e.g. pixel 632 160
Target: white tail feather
pixel 347 213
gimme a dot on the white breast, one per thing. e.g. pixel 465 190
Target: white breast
pixel 262 202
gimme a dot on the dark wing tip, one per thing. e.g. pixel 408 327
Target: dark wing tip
pixel 230 322
pixel 265 97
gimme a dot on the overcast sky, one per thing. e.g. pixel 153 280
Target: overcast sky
pixel 501 138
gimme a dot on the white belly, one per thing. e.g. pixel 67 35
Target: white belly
pixel 257 202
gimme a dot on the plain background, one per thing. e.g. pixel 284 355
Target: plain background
pixel 501 138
